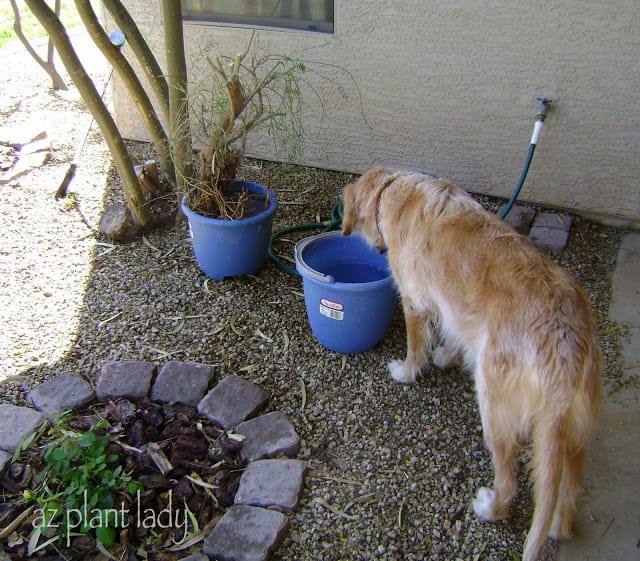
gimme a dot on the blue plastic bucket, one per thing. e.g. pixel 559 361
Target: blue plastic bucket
pixel 226 248
pixel 348 291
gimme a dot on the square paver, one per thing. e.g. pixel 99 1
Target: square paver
pixel 182 382
pixel 63 393
pixel 268 436
pixel 271 483
pixel 232 401
pixel 246 533
pixel 16 423
pixel 126 378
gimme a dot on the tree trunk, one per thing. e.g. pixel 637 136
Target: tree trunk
pixel 131 82
pixel 96 106
pixel 178 102
pixel 143 54
pixel 47 65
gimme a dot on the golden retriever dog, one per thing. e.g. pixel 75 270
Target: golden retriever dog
pixel 517 320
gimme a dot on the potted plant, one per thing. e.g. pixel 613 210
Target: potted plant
pixel 230 220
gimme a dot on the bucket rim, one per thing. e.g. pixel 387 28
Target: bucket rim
pixel 309 273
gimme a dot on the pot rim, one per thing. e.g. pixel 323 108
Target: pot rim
pixel 237 222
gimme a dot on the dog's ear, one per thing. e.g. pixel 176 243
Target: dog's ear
pixel 349 210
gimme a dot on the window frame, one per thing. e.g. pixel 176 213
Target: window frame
pixel 262 22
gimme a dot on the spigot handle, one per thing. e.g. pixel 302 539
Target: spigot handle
pixel 545 103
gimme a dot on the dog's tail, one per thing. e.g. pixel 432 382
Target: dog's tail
pixel 549 438
pixel 560 439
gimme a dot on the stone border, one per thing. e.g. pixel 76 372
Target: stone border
pixel 269 487
pixel 546 229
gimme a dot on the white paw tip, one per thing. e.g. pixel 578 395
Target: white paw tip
pixel 483 503
pixel 399 372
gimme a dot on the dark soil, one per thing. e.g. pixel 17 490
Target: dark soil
pixel 183 461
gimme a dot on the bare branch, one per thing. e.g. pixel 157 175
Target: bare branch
pixel 47 65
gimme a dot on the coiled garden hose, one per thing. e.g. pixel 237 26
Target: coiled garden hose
pixel 333 223
pixel 335 220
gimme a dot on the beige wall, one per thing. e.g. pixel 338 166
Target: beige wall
pixel 450 87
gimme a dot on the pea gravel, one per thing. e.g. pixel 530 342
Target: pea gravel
pixel 393 469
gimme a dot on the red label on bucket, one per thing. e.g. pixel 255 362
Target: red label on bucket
pixel 333 310
pixel 332 305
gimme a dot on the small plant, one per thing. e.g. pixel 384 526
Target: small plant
pixel 251 90
pixel 82 487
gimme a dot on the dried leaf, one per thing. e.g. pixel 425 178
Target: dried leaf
pixel 232 323
pixel 259 333
pixel 197 480
pixel 159 458
pixel 6 532
pixel 182 318
pixel 335 510
pixel 146 242
pixel 105 321
pixel 303 392
pixel 110 247
pixel 399 521
pixel 217 329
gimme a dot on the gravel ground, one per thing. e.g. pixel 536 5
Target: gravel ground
pixel 394 469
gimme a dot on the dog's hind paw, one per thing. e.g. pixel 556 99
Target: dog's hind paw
pixel 560 530
pixel 401 373
pixel 483 505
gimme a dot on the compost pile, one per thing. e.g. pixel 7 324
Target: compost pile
pixel 188 469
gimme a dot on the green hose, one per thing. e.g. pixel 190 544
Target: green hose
pixel 507 208
pixel 326 226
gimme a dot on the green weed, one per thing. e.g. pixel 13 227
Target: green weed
pixel 79 487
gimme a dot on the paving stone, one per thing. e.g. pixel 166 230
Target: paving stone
pixel 15 424
pixel 271 483
pixel 4 460
pixel 551 239
pixel 559 220
pixel 232 401
pixel 246 533
pixel 183 382
pixel 61 394
pixel 268 436
pixel 520 217
pixel 130 379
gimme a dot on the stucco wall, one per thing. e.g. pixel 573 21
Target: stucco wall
pixel 450 88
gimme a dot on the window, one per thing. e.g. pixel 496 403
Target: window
pixel 310 15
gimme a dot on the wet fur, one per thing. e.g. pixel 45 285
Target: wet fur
pixel 516 319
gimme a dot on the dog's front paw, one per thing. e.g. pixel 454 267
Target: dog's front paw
pixel 483 505
pixel 402 373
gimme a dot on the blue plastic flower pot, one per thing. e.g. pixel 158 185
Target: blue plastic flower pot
pixel 348 291
pixel 226 248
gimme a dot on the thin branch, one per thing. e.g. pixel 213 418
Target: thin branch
pixel 47 65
